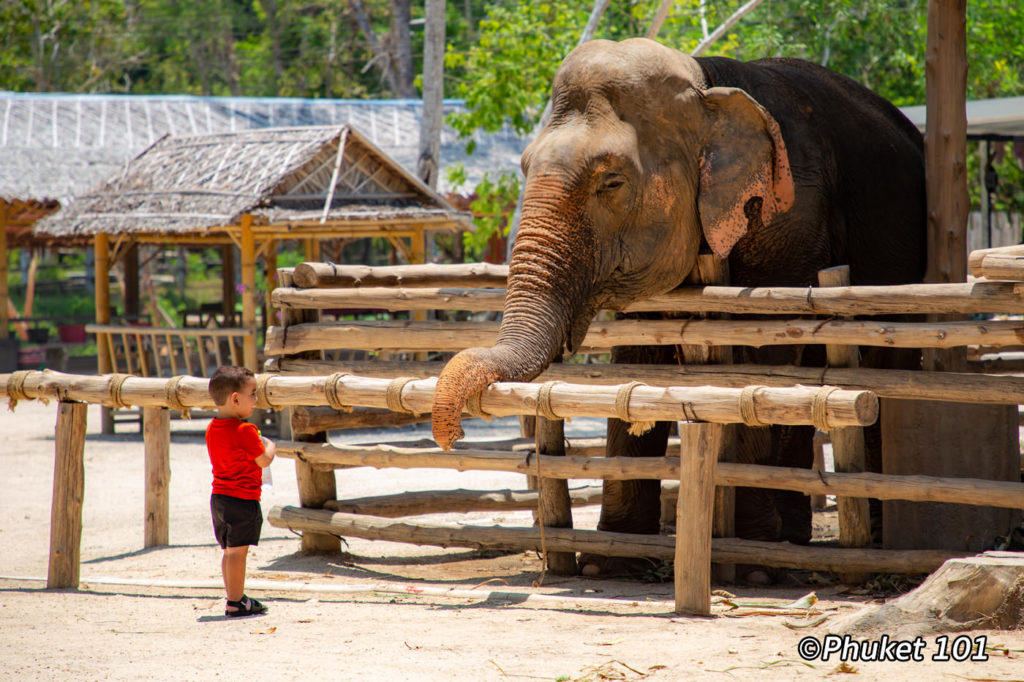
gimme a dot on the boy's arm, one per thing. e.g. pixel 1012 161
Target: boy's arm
pixel 269 452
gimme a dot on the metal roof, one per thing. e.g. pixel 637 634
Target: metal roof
pixel 987 119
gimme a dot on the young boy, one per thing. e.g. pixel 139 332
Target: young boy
pixel 237 453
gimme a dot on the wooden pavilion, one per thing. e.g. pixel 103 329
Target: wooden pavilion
pixel 250 190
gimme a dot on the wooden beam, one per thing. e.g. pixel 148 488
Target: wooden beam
pixel 457 501
pixel 723 550
pixel 444 290
pixel 68 493
pixel 1005 494
pixel 312 274
pixel 404 335
pixel 156 430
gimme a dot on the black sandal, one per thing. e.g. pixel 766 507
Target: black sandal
pixel 246 606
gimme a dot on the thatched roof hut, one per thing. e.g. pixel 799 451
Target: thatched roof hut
pixel 251 189
pixel 294 182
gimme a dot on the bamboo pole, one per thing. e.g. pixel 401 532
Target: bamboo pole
pixel 427 275
pixel 248 245
pixel 698 455
pixel 886 383
pixel 455 501
pixel 848 444
pixel 791 405
pixel 156 428
pixel 68 494
pixel 973 297
pixel 912 488
pixel 454 336
pixel 723 550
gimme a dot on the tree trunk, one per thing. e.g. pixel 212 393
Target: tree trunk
pixel 401 48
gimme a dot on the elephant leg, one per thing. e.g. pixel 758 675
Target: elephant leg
pixel 629 506
pixel 793 446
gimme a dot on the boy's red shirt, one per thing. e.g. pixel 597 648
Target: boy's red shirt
pixel 234 446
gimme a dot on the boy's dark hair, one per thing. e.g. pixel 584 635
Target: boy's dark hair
pixel 227 380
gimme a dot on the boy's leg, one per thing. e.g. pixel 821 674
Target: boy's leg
pixel 233 569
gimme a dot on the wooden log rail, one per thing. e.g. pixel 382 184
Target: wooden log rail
pixel 886 383
pixel 794 405
pixel 904 299
pixel 879 486
pixel 723 550
pixel 455 336
pixel 1002 262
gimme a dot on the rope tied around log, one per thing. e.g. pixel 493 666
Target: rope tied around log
pixel 115 386
pixel 172 398
pixel 262 397
pixel 393 394
pixel 331 385
pixel 474 406
pixel 544 400
pixel 748 413
pixel 622 395
pixel 819 408
pixel 16 388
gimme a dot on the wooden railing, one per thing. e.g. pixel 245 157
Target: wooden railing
pixel 169 351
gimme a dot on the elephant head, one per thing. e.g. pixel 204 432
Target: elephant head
pixel 639 159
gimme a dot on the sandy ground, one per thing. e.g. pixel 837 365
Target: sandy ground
pixel 381 611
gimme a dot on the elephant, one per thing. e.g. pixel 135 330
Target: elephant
pixel 779 165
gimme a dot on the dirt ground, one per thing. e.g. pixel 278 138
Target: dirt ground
pixel 381 611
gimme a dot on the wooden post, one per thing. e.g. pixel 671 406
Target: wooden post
pixel 311 249
pixel 227 285
pixel 315 486
pixel 270 271
pixel 249 293
pixel 932 438
pixel 130 263
pixel 555 505
pixel 713 270
pixel 68 492
pixel 101 249
pixel 698 455
pixel 156 430
pixel 4 293
pixel 848 443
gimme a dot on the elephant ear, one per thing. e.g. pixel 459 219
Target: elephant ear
pixel 743 158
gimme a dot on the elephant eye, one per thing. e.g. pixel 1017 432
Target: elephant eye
pixel 611 183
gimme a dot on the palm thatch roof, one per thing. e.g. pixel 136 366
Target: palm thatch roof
pixel 293 176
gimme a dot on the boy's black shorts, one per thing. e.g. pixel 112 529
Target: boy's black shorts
pixel 236 522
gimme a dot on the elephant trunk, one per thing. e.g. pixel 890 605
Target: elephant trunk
pixel 549 276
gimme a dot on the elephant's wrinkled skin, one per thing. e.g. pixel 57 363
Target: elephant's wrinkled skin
pixel 783 166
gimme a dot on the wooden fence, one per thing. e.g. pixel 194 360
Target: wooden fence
pixel 703 399
pixel 696 470
pixel 169 351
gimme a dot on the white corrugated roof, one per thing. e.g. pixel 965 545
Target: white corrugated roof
pixel 986 118
pixel 58 145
